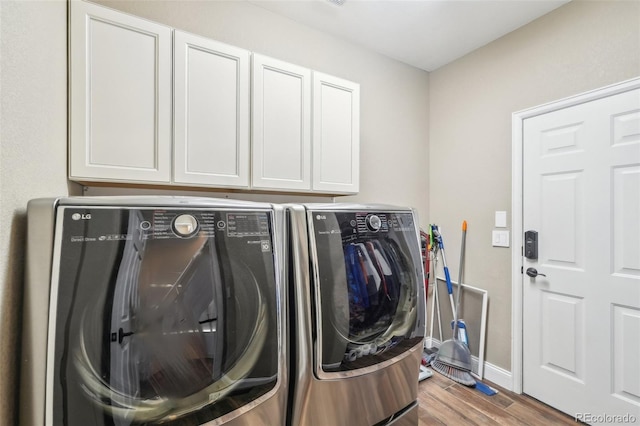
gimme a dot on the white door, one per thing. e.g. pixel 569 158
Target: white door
pixel 211 83
pixel 120 96
pixel 281 124
pixel 581 323
pixel 336 134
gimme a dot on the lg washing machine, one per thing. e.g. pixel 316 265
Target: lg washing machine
pixel 153 310
pixel 358 314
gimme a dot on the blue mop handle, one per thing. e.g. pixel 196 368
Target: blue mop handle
pixel 447 276
pixel 448 279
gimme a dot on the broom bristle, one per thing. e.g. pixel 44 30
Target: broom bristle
pixel 454 373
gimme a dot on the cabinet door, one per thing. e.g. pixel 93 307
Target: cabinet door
pixel 120 96
pixel 281 149
pixel 211 112
pixel 336 134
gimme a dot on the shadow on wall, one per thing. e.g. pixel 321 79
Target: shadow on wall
pixel 11 320
pixel 74 189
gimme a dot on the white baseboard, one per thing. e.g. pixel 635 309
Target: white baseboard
pixel 492 373
pixel 498 375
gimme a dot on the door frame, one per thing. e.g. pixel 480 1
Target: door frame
pixel 517 169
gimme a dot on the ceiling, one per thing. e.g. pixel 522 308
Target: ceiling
pixel 426 34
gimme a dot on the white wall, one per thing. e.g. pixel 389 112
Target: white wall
pixel 33 130
pixel 578 47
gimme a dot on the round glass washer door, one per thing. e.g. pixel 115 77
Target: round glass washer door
pixel 163 330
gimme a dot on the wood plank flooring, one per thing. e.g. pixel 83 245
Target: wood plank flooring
pixel 445 402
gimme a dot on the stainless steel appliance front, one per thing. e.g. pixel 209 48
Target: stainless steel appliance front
pixel 359 314
pixel 153 311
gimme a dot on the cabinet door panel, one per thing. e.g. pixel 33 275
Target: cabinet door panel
pixel 336 134
pixel 120 108
pixel 281 125
pixel 211 112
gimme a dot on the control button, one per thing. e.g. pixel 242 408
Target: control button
pixel 373 222
pixel 185 225
pixel 144 225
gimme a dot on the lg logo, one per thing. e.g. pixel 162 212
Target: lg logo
pixel 78 216
pixel 321 217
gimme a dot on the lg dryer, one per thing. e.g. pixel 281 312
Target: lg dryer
pixel 153 311
pixel 358 314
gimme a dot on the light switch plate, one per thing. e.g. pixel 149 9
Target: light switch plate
pixel 500 238
pixel 501 219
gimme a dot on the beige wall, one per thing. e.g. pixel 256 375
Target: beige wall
pixel 393 96
pixel 33 130
pixel 578 47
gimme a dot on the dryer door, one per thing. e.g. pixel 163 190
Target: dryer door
pixel 368 287
pixel 160 316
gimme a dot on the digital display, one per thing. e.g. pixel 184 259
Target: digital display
pixel 247 225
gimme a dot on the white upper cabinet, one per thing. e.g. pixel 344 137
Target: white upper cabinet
pixel 281 125
pixel 120 96
pixel 211 112
pixel 336 134
pixel 156 105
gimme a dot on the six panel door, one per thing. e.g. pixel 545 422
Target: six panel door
pixel 581 192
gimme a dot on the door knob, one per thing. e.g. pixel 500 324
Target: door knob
pixel 532 272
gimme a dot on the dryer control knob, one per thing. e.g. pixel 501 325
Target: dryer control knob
pixel 185 225
pixel 373 222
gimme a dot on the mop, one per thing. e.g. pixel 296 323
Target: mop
pixel 454 358
pixel 462 332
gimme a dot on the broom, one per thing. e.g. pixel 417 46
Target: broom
pixel 454 358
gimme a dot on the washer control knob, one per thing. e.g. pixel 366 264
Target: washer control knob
pixel 373 222
pixel 185 225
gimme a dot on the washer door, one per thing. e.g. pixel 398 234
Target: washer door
pixel 368 287
pixel 162 316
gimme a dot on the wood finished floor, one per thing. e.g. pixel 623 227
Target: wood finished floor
pixel 445 402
